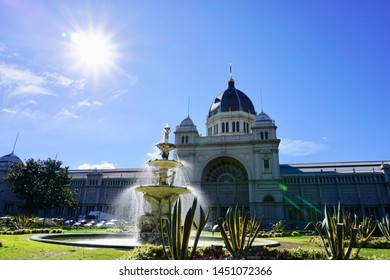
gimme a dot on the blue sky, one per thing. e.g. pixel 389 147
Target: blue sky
pixel 321 67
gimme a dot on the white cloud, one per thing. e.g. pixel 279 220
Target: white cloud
pixel 66 114
pixel 102 165
pixel 22 89
pixel 19 81
pixel 57 79
pixel 78 86
pixel 88 103
pixel 293 147
pixel 23 113
pixel 16 80
pixel 31 90
pixel 118 93
pixel 10 110
pixel 30 102
pixel 71 112
pixel 23 110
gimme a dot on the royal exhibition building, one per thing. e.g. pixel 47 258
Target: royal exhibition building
pixel 236 163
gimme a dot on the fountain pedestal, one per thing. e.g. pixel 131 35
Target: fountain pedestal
pixel 160 195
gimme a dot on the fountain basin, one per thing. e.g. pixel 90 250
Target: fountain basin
pixel 162 192
pixel 164 163
pixel 125 241
pixel 114 241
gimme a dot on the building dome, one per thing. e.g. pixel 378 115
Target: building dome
pixel 187 125
pixel 263 118
pixel 231 99
pixel 9 159
pixel 187 122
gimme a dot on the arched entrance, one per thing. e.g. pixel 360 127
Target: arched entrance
pixel 269 206
pixel 224 183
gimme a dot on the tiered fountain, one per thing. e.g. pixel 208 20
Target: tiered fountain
pixel 162 194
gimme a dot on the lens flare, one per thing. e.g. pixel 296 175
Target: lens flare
pixel 283 187
pixel 309 204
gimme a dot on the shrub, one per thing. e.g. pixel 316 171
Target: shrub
pixel 40 230
pixel 278 227
pixel 210 253
pixel 307 254
pixel 146 252
pixel 376 243
pixel 266 253
pixel 295 233
pixel 156 252
pixel 3 230
pixel 22 231
pixel 56 230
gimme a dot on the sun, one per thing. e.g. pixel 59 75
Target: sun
pixel 92 51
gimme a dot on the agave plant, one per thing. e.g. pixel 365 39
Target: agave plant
pixel 178 232
pixel 278 227
pixel 333 231
pixel 384 226
pixel 366 228
pixel 22 221
pixel 238 231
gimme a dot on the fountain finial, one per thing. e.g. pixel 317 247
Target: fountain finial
pixel 167 130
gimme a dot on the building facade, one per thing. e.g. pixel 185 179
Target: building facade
pixel 237 162
pixel 10 203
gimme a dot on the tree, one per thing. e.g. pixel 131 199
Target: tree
pixel 43 184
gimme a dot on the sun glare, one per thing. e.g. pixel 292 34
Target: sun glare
pixel 92 51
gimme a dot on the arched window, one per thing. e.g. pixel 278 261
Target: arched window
pixel 266 163
pixel 223 127
pixel 225 170
pixel 261 135
pixel 268 199
pixel 238 126
pixel 266 135
pixel 227 127
pixel 233 126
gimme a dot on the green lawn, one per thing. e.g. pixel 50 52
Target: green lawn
pixel 304 242
pixel 19 247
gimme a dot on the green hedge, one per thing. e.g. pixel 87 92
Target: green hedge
pixel 6 231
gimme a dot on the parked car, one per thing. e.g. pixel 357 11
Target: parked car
pixel 69 222
pixel 90 223
pixel 111 223
pixel 101 224
pixel 80 223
